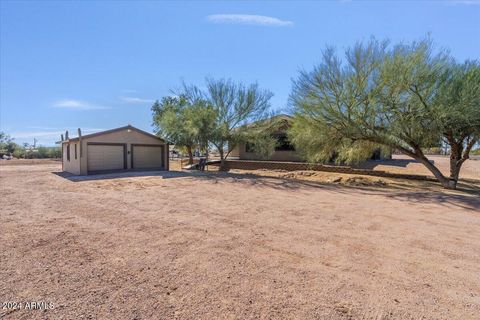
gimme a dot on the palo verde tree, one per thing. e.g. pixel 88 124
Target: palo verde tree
pixel 457 108
pixel 200 117
pixel 440 100
pixel 405 98
pixel 234 105
pixel 184 123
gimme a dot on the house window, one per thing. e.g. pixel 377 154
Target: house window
pixel 282 143
pixel 68 152
pixel 75 151
pixel 249 147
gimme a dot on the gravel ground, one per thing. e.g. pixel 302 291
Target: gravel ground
pixel 233 246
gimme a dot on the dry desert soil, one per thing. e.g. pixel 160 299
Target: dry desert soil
pixel 179 245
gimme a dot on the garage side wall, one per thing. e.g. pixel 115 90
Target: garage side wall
pixel 124 136
pixel 72 166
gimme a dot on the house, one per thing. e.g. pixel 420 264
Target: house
pixel 125 148
pixel 284 150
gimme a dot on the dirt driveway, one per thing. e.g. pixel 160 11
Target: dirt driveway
pixel 182 246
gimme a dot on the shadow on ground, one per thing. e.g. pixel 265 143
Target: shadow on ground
pixel 128 174
pixel 372 164
pixel 467 196
pixel 470 202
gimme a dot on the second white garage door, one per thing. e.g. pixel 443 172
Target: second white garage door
pixel 105 157
pixel 147 157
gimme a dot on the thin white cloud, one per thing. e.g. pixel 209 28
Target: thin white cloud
pixel 248 19
pixel 45 134
pixel 41 128
pixel 77 105
pixel 135 100
pixel 35 134
pixel 47 137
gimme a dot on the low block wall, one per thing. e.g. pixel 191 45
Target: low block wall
pixel 301 166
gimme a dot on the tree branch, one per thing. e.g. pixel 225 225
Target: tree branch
pixel 466 153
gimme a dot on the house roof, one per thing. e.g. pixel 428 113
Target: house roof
pixel 111 131
pixel 282 116
pixel 277 117
pixel 272 120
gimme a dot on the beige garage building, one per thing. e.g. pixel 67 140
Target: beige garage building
pixel 125 148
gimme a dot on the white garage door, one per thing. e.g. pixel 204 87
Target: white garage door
pixel 105 157
pixel 147 157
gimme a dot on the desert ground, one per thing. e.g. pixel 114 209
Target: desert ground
pixel 404 164
pixel 183 245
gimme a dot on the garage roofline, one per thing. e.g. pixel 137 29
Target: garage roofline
pixel 111 131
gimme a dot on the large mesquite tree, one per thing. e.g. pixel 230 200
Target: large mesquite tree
pixel 405 98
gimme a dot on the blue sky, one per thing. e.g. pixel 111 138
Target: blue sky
pixel 100 65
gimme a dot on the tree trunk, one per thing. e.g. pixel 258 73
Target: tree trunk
pixel 223 165
pixel 190 155
pixel 446 182
pixel 459 153
pixel 455 160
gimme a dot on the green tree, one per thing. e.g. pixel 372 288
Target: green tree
pixel 200 118
pixel 55 152
pixel 234 105
pixel 7 143
pixel 42 152
pixel 457 106
pixel 19 152
pixel 47 152
pixel 186 124
pixel 399 98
